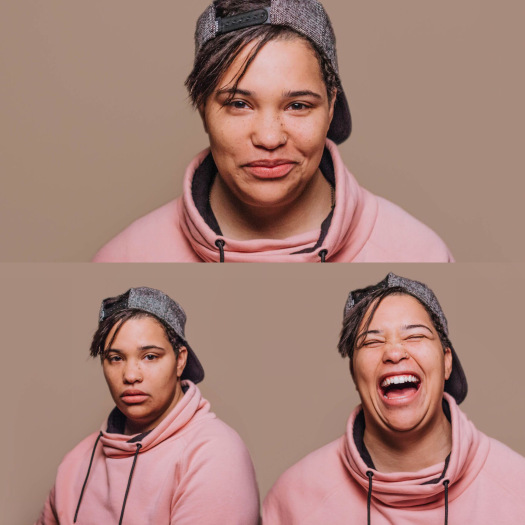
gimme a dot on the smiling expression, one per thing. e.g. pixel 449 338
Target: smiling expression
pixel 400 367
pixel 142 372
pixel 267 137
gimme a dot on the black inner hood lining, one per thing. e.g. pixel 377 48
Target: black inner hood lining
pixel 359 440
pixel 204 178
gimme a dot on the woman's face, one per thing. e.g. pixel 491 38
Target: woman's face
pixel 142 372
pixel 267 142
pixel 399 367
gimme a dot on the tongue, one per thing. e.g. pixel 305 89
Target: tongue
pixel 400 391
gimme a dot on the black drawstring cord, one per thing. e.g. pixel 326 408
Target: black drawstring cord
pixel 323 254
pixel 445 483
pixel 369 474
pixel 220 244
pixel 87 475
pixel 139 446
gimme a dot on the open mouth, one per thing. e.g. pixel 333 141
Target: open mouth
pixel 397 387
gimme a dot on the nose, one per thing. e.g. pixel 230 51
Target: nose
pixel 132 373
pixel 268 131
pixel 394 352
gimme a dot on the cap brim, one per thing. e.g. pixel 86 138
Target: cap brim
pixel 193 369
pixel 341 125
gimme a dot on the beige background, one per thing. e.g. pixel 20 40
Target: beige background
pixel 95 128
pixel 266 335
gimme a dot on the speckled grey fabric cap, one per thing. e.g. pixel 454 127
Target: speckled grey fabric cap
pixel 160 305
pixel 307 17
pixel 456 385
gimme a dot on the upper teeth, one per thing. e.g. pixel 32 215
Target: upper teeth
pixel 396 380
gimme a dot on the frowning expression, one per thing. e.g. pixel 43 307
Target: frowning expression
pixel 400 366
pixel 267 137
pixel 142 372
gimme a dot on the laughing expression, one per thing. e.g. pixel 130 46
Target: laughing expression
pixel 400 367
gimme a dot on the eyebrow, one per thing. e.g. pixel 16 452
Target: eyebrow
pixel 286 94
pixel 411 326
pixel 233 92
pixel 140 348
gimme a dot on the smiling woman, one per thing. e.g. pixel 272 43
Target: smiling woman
pixel 162 456
pixel 272 185
pixel 409 455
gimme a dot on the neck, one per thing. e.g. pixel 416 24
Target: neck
pixel 242 221
pixel 410 451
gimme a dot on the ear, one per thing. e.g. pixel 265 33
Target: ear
pixel 448 363
pixel 332 105
pixel 202 113
pixel 181 360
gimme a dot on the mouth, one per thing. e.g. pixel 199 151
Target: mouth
pixel 270 169
pixel 133 397
pixel 399 386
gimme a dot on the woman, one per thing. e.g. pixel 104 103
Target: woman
pixel 272 186
pixel 409 455
pixel 162 456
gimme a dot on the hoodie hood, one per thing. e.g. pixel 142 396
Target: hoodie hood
pixel 349 225
pixel 470 449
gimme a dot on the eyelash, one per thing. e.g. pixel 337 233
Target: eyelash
pixel 117 358
pixel 232 104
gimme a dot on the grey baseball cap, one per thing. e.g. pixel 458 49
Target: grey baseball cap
pixel 456 385
pixel 163 307
pixel 307 17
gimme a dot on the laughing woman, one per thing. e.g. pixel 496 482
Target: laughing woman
pixel 409 455
pixel 272 185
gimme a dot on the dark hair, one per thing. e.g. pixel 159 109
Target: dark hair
pixel 98 345
pixel 217 55
pixel 348 339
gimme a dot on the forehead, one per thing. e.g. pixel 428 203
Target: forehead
pixel 397 310
pixel 282 63
pixel 136 330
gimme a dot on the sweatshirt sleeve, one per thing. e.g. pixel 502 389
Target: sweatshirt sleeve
pixel 48 515
pixel 218 485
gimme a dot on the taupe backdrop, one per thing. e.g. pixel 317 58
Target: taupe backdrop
pixel 266 335
pixel 95 128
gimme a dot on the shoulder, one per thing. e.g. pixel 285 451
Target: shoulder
pixel 505 469
pixel 76 457
pixel 155 237
pixel 302 488
pixel 215 441
pixel 399 237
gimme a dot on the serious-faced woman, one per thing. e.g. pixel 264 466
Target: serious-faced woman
pixel 272 185
pixel 161 456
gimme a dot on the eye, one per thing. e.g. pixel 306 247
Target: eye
pixel 113 358
pixel 150 357
pixel 372 342
pixel 237 104
pixel 298 106
pixel 415 337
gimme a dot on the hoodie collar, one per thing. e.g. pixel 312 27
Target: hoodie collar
pixel 407 489
pixel 347 224
pixel 191 406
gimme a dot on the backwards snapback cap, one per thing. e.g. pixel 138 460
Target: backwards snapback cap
pixel 308 18
pixel 456 385
pixel 157 303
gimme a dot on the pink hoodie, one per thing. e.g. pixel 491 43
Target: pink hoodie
pixel 330 485
pixel 191 469
pixel 363 228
